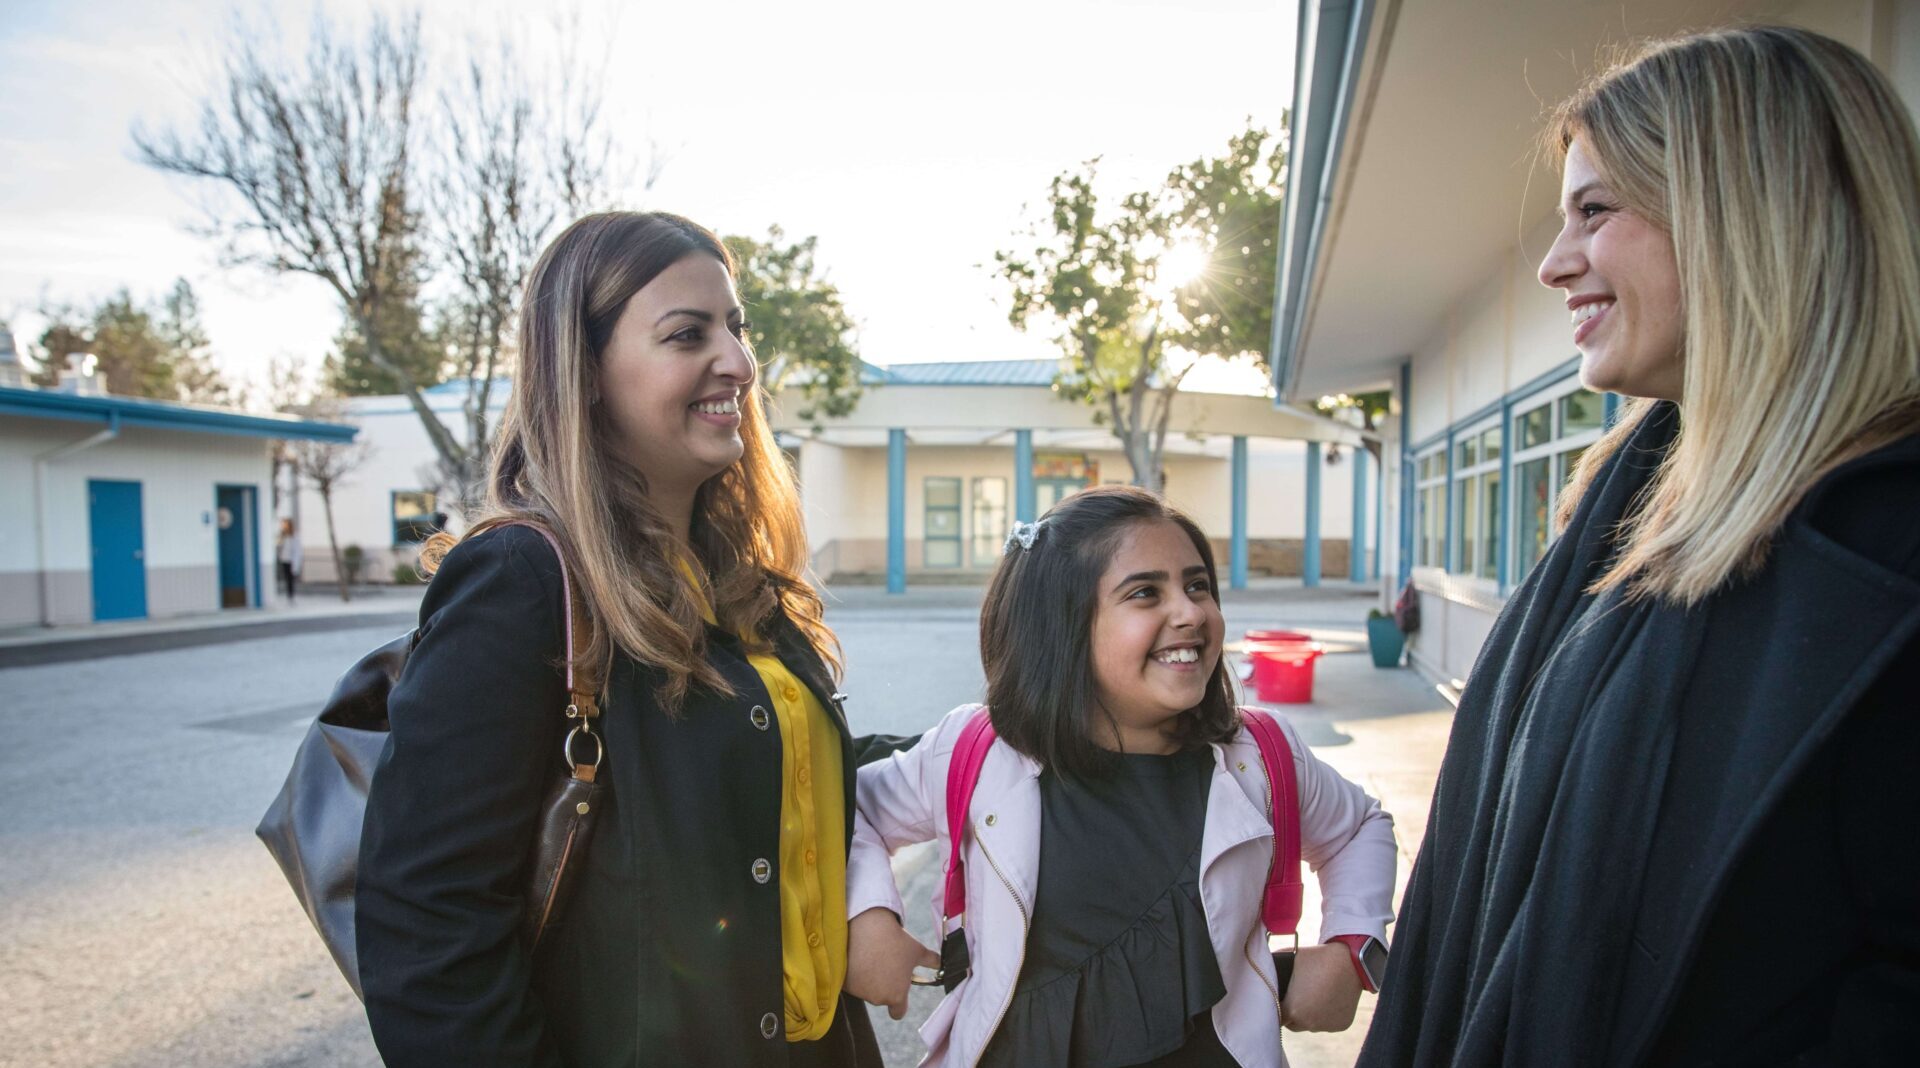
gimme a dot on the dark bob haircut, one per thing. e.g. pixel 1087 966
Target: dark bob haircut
pixel 1036 632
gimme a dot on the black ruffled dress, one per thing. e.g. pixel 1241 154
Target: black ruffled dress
pixel 1119 969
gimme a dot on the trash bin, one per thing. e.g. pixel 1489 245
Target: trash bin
pixel 1283 671
pixel 1261 637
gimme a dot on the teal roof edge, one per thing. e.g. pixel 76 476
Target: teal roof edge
pixel 162 415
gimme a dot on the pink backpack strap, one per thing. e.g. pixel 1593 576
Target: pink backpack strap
pixel 963 774
pixel 1280 907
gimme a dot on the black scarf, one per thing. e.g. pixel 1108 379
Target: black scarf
pixel 1512 941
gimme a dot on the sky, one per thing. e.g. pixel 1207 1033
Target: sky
pixel 912 139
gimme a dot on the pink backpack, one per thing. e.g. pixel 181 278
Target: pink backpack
pixel 1279 908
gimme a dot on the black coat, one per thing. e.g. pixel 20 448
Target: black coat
pixel 1747 895
pixel 669 952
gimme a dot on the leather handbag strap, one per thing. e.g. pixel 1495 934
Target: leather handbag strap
pixel 1280 906
pixel 582 704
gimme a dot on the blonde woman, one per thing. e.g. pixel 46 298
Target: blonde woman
pixel 1676 821
pixel 709 926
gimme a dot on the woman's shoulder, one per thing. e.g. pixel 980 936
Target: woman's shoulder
pixel 1871 506
pixel 508 565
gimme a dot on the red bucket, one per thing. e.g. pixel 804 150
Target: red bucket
pixel 1262 637
pixel 1283 673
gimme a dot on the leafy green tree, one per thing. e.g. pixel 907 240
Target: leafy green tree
pixel 1231 204
pixel 400 327
pixel 801 332
pixel 1094 276
pixel 1105 278
pixel 195 378
pixel 157 351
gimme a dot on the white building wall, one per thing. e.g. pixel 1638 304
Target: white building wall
pixel 400 458
pixel 178 473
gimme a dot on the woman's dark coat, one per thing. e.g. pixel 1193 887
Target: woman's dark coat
pixel 669 952
pixel 1716 864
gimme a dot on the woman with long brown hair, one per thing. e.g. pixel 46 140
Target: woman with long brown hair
pixel 708 926
pixel 1675 821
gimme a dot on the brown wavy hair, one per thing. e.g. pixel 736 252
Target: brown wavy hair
pixel 555 463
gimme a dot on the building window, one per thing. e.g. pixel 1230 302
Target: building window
pixel 1476 502
pixel 414 519
pixel 1552 435
pixel 989 519
pixel 1430 502
pixel 941 542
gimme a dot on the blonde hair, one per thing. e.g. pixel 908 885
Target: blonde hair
pixel 1787 172
pixel 554 463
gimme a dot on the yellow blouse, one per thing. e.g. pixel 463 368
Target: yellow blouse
pixel 813 860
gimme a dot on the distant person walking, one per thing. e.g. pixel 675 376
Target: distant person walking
pixel 287 553
pixel 1675 824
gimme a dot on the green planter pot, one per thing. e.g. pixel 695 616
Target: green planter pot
pixel 1385 642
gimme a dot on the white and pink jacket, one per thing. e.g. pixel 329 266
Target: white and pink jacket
pixel 1344 837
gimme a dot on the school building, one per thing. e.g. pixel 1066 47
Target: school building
pixel 1417 214
pixel 123 508
pixel 922 480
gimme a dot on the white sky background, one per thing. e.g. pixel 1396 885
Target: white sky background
pixel 910 138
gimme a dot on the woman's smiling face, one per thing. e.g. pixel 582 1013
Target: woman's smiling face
pixel 675 374
pixel 1622 285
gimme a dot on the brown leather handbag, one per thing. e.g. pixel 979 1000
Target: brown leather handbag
pixel 313 827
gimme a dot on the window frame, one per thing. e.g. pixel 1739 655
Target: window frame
pixel 394 520
pixel 959 510
pixel 1483 474
pixel 1423 484
pixel 1554 450
pixel 983 547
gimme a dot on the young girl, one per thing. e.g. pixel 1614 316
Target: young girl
pixel 1118 837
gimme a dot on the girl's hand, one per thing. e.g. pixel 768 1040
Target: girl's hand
pixel 1324 990
pixel 881 957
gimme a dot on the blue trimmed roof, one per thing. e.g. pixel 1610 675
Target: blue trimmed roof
pixel 964 373
pixel 162 415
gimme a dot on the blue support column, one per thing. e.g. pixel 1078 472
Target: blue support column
pixel 1023 502
pixel 1503 542
pixel 896 511
pixel 1310 552
pixel 1357 544
pixel 1379 518
pixel 1404 573
pixel 1446 537
pixel 1237 571
pixel 1610 407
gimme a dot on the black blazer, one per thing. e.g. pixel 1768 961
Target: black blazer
pixel 1787 926
pixel 669 952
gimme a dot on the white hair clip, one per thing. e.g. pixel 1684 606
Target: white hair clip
pixel 1022 535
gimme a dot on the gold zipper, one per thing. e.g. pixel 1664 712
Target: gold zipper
pixel 1279 1015
pixel 1025 923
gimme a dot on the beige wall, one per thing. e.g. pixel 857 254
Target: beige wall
pixel 844 492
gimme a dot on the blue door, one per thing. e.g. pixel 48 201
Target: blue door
pixel 234 507
pixel 119 550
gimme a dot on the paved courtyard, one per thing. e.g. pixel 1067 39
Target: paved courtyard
pixel 142 924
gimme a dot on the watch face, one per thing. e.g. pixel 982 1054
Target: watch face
pixel 1374 960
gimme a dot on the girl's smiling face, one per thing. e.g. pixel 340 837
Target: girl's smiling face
pixel 1156 635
